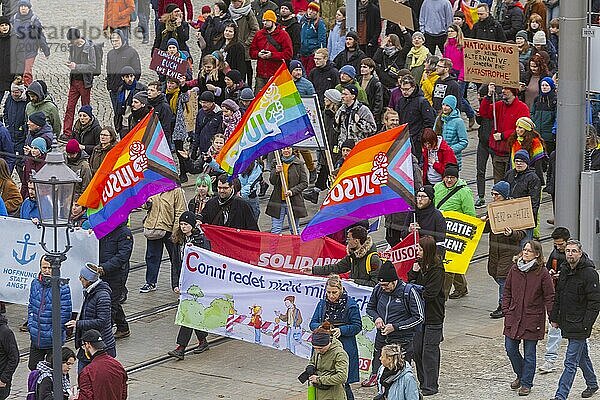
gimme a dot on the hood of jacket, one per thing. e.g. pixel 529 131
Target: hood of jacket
pixel 37 89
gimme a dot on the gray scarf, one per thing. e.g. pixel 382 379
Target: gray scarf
pixel 523 266
pixel 237 13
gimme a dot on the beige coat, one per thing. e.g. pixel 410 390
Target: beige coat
pixel 166 209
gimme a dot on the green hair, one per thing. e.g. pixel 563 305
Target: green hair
pixel 204 180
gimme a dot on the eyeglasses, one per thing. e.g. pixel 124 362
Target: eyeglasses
pixel 422 196
pixel 496 194
pixel 440 66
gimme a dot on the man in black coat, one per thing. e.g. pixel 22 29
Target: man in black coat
pixel 158 101
pixel 487 28
pixel 208 123
pixel 9 357
pixel 228 209
pixel 120 56
pixel 115 252
pixel 414 110
pixel 445 85
pixel 324 76
pixel 513 18
pixel 129 87
pixel 351 55
pixel 290 24
pixel 576 308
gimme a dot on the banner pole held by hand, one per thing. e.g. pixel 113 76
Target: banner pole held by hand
pixel 284 187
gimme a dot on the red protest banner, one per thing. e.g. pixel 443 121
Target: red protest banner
pixel 403 255
pixel 169 65
pixel 282 252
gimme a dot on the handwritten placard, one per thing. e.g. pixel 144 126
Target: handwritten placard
pixel 168 65
pixel 487 61
pixel 516 214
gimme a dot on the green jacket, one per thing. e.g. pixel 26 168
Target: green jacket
pixel 332 370
pixel 356 263
pixel 461 201
pixel 50 110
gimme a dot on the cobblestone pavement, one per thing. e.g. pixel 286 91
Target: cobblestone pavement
pixel 474 363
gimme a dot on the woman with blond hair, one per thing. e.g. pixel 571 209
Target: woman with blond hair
pixel 172 25
pixel 210 78
pixel 342 312
pixel 395 378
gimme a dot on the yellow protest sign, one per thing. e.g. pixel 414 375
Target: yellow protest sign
pixel 463 233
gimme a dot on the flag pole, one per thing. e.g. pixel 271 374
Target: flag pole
pixel 329 163
pixel 284 187
pixel 494 109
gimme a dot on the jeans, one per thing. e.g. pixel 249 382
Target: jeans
pixel 483 153
pixel 277 223
pixel 77 90
pixel 500 282
pixel 427 355
pixel 577 356
pixel 254 205
pixel 554 339
pixel 185 334
pixel 465 106
pixel 290 340
pixel 116 281
pixel 142 9
pixel 554 12
pixel 523 365
pixel 154 252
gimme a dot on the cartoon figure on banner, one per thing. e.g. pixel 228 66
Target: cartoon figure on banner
pixel 293 320
pixel 256 321
pixel 22 258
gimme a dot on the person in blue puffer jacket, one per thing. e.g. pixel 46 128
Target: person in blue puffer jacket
pixel 39 318
pixel 95 314
pixel 452 127
pixel 304 86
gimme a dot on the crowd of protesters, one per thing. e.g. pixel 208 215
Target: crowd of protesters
pixel 367 80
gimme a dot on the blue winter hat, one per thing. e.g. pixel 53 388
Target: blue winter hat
pixel 40 144
pixel 450 101
pixel 295 64
pixel 88 273
pixel 173 42
pixel 522 155
pixel 549 81
pixel 348 70
pixel 503 188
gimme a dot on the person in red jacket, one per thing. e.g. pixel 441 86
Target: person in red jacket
pixel 181 4
pixel 271 45
pixel 436 154
pixel 507 111
pixel 104 378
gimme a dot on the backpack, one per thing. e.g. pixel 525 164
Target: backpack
pixel 419 298
pixel 99 50
pixel 32 380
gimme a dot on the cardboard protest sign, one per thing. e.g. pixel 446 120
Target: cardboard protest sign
pixel 397 12
pixel 463 233
pixel 487 61
pixel 514 214
pixel 170 66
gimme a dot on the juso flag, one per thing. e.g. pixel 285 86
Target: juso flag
pixel 376 179
pixel 463 233
pixel 139 166
pixel 275 119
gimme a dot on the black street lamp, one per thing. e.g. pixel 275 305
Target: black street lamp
pixel 54 187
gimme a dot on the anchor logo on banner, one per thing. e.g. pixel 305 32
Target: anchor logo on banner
pixel 26 243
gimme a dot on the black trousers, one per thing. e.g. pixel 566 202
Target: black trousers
pixel 5 392
pixel 185 334
pixel 427 355
pixel 116 281
pixel 483 153
pixel 432 41
pixel 36 355
pixel 380 341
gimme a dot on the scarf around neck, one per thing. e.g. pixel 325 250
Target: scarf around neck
pixel 174 99
pixel 288 160
pixel 525 267
pixel 418 56
pixel 46 372
pixel 237 13
pixel 334 311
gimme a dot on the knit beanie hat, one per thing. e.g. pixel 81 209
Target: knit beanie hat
pixel 40 144
pixel 247 94
pixel 451 170
pixel 230 104
pixel 320 339
pixel 188 217
pixel 173 42
pixel 418 34
pixel 205 9
pixel 348 144
pixel 38 118
pixel 234 75
pixel 387 272
pixel 526 123
pixel 333 95
pixel 314 6
pixel 87 109
pixel 142 97
pixel 348 70
pixel 522 155
pixel 428 190
pixel 295 64
pixel 73 34
pixel 503 188
pixel 450 101
pixel 127 70
pixel 269 15
pixel 88 273
pixel 539 38
pixel 170 8
pixel 352 34
pixel 288 5
pixel 522 34
pixel 549 81
pixel 207 95
pixel 73 147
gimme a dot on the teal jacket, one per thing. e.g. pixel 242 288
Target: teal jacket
pixel 454 133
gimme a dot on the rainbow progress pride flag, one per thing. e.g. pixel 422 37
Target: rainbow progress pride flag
pixel 375 179
pixel 139 166
pixel 275 119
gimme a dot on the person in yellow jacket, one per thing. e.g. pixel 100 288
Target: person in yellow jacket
pixel 429 77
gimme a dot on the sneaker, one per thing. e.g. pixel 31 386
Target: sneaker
pixel 550 221
pixel 311 196
pixel 428 392
pixel 202 347
pixel 178 353
pixel 547 367
pixel 497 313
pixel 370 381
pixel 588 392
pixel 122 334
pixel 480 202
pixel 514 385
pixel 457 295
pixel 147 288
pixel 23 328
pixel 524 391
pixel 264 186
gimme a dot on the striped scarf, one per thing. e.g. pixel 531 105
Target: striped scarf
pixel 536 152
